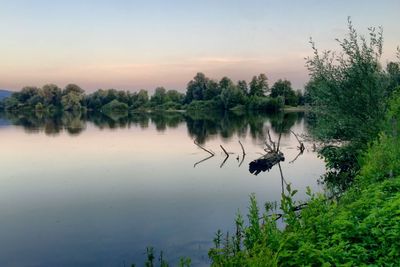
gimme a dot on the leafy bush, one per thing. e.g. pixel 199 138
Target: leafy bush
pixel 203 105
pixel 115 106
pixel 266 104
pixel 360 228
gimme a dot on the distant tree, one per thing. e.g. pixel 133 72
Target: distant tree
pixel 72 88
pixel 159 97
pixel 115 106
pixel 284 89
pixel 122 97
pixel 140 99
pixel 26 93
pixel 259 85
pixel 51 94
pixel 231 95
pixel 201 88
pixel 175 96
pixel 300 97
pixel 242 86
pixel 72 97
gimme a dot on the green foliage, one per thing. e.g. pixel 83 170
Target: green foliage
pixel 349 89
pixel 265 104
pixel 115 106
pixel 140 99
pixel 349 92
pixel 159 96
pixel 359 229
pixel 383 158
pixel 72 97
pixel 259 85
pixel 205 105
pixel 202 93
pixel 185 262
pixel 283 88
pixel 201 88
pixel 231 95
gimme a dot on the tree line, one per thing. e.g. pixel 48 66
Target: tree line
pixel 202 93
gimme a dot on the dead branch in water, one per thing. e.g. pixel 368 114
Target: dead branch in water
pixel 240 164
pixel 266 162
pixel 298 155
pixel 197 163
pixel 226 158
pixel 301 145
pixel 244 153
pixel 273 148
pixel 226 153
pixel 279 142
pixel 208 151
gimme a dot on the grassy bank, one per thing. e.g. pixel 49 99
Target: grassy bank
pixel 360 228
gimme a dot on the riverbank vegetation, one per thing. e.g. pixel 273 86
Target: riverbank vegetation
pixel 356 104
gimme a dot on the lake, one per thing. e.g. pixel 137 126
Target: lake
pixel 96 190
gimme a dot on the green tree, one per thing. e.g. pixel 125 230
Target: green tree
pixel 175 96
pixel 72 97
pixel 140 99
pixel 159 97
pixel 284 88
pixel 26 93
pixel 348 93
pixel 349 90
pixel 242 85
pixel 231 95
pixel 259 85
pixel 393 70
pixel 201 88
pixel 51 94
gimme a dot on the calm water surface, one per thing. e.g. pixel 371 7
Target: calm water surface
pixel 95 190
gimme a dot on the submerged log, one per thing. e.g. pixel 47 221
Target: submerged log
pixel 266 162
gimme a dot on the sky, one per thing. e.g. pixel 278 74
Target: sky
pixel 132 45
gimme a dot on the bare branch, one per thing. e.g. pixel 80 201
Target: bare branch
pixel 244 153
pixel 222 164
pixel 301 145
pixel 208 151
pixel 272 142
pixel 194 166
pixel 226 153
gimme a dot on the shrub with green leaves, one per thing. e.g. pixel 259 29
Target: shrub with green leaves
pixel 361 228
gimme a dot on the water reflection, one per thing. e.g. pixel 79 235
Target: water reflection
pixel 201 126
pixel 110 193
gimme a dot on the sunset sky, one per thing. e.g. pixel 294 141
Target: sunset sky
pixel 143 44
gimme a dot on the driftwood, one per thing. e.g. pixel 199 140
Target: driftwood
pixel 266 162
pixel 301 148
pixel 241 145
pixel 208 151
pixel 197 163
pixel 212 154
pixel 223 149
pixel 223 162
pixel 226 158
pixel 273 148
pixel 301 145
pixel 243 154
